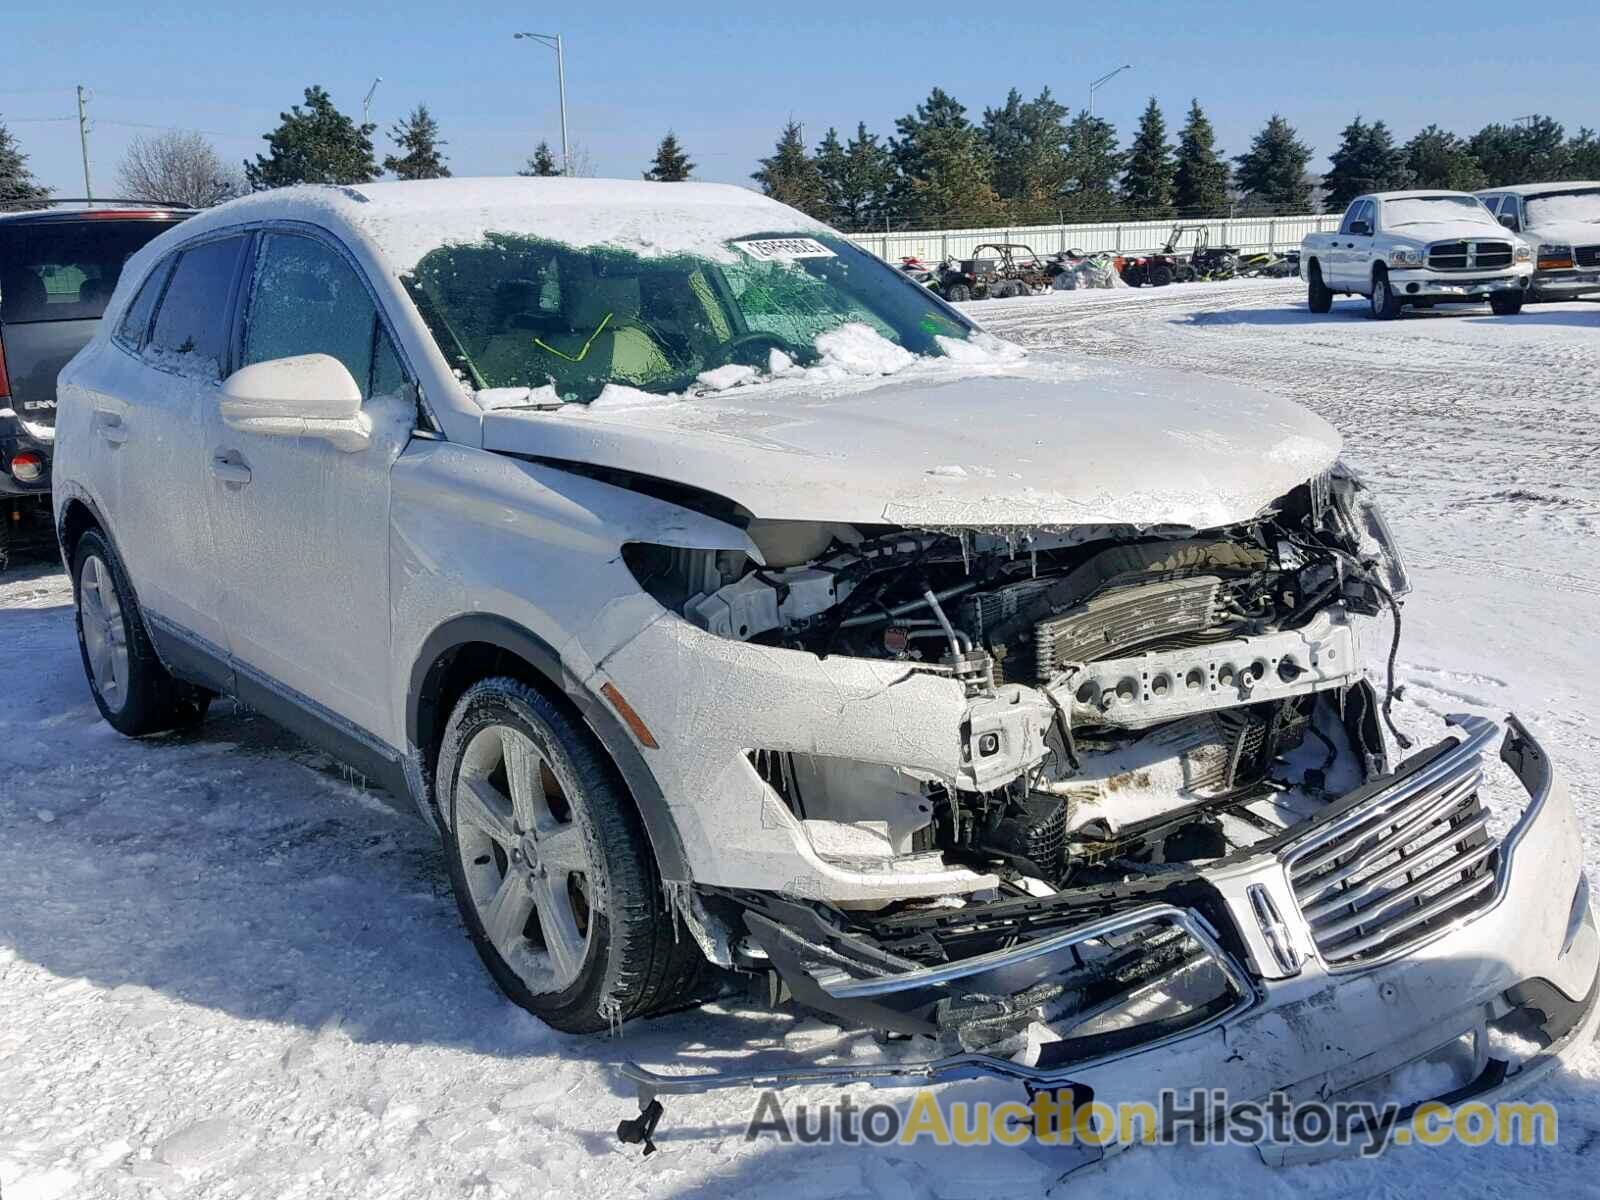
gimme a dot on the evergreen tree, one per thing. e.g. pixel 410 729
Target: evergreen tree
pixel 1583 155
pixel 1272 174
pixel 1532 153
pixel 856 176
pixel 954 187
pixel 18 188
pixel 1201 177
pixel 671 163
pixel 317 144
pixel 1147 185
pixel 543 163
pixel 418 136
pixel 1367 160
pixel 1091 167
pixel 937 139
pixel 1437 159
pixel 791 176
pixel 1025 140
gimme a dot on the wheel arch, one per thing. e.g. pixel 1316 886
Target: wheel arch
pixel 476 646
pixel 77 515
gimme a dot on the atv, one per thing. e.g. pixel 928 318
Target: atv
pixel 1012 269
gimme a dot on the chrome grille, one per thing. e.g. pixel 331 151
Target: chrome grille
pixel 1401 866
pixel 1587 256
pixel 1469 256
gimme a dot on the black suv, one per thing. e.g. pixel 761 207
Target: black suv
pixel 58 268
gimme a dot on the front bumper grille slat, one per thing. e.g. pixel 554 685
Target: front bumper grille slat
pixel 1378 844
pixel 1452 899
pixel 1326 930
pixel 1390 872
pixel 1373 884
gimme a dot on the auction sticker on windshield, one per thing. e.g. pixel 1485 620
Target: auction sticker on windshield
pixel 784 249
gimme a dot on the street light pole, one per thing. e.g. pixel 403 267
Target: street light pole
pixel 1105 79
pixel 366 104
pixel 553 42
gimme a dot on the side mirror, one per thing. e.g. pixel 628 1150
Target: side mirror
pixel 1360 229
pixel 1509 220
pixel 309 395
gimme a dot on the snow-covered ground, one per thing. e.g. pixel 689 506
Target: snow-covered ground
pixel 225 971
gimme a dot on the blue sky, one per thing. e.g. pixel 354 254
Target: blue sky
pixel 726 76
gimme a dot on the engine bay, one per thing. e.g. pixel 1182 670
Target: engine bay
pixel 1202 690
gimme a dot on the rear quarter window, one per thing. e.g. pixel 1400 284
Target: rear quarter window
pixel 135 321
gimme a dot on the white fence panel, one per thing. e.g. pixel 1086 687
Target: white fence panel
pixel 1251 234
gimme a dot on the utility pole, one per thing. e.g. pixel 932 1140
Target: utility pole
pixel 552 41
pixel 366 105
pixel 83 141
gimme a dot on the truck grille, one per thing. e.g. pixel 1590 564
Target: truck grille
pixel 1587 256
pixel 1398 870
pixel 1469 256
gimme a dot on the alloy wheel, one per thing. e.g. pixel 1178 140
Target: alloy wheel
pixel 525 855
pixel 105 632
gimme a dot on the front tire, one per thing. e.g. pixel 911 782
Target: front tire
pixel 1160 275
pixel 1385 302
pixel 1318 298
pixel 552 870
pixel 131 688
pixel 1505 304
pixel 958 293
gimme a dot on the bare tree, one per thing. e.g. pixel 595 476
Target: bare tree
pixel 178 168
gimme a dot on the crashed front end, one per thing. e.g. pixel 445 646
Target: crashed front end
pixel 1062 800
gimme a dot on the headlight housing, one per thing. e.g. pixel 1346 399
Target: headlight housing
pixel 1554 256
pixel 1523 253
pixel 1364 522
pixel 1404 257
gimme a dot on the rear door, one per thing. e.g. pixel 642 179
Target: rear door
pixel 55 279
pixel 149 432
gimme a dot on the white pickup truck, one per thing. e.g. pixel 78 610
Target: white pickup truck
pixel 1420 249
pixel 1562 222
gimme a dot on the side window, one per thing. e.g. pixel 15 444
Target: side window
pixel 1369 214
pixel 191 329
pixel 306 299
pixel 388 376
pixel 136 319
pixel 1352 215
pixel 1511 209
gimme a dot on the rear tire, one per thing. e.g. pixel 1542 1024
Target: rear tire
pixel 1133 277
pixel 552 869
pixel 132 690
pixel 1385 302
pixel 1318 298
pixel 1505 304
pixel 1160 275
pixel 958 293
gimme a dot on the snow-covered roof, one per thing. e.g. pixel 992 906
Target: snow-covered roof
pixel 1420 194
pixel 405 220
pixel 1539 189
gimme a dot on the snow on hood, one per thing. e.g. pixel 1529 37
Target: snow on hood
pixel 1045 443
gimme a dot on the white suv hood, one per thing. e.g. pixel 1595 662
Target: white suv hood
pixel 1082 446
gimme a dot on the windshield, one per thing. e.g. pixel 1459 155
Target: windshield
pixel 1577 205
pixel 513 311
pixel 1428 210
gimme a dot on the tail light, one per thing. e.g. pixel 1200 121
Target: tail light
pixel 27 467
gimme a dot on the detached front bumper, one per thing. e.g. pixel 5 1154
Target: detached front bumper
pixel 1301 1011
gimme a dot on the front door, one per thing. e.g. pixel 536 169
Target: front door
pixel 302 527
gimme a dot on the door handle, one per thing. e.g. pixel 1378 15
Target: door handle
pixel 230 468
pixel 110 427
